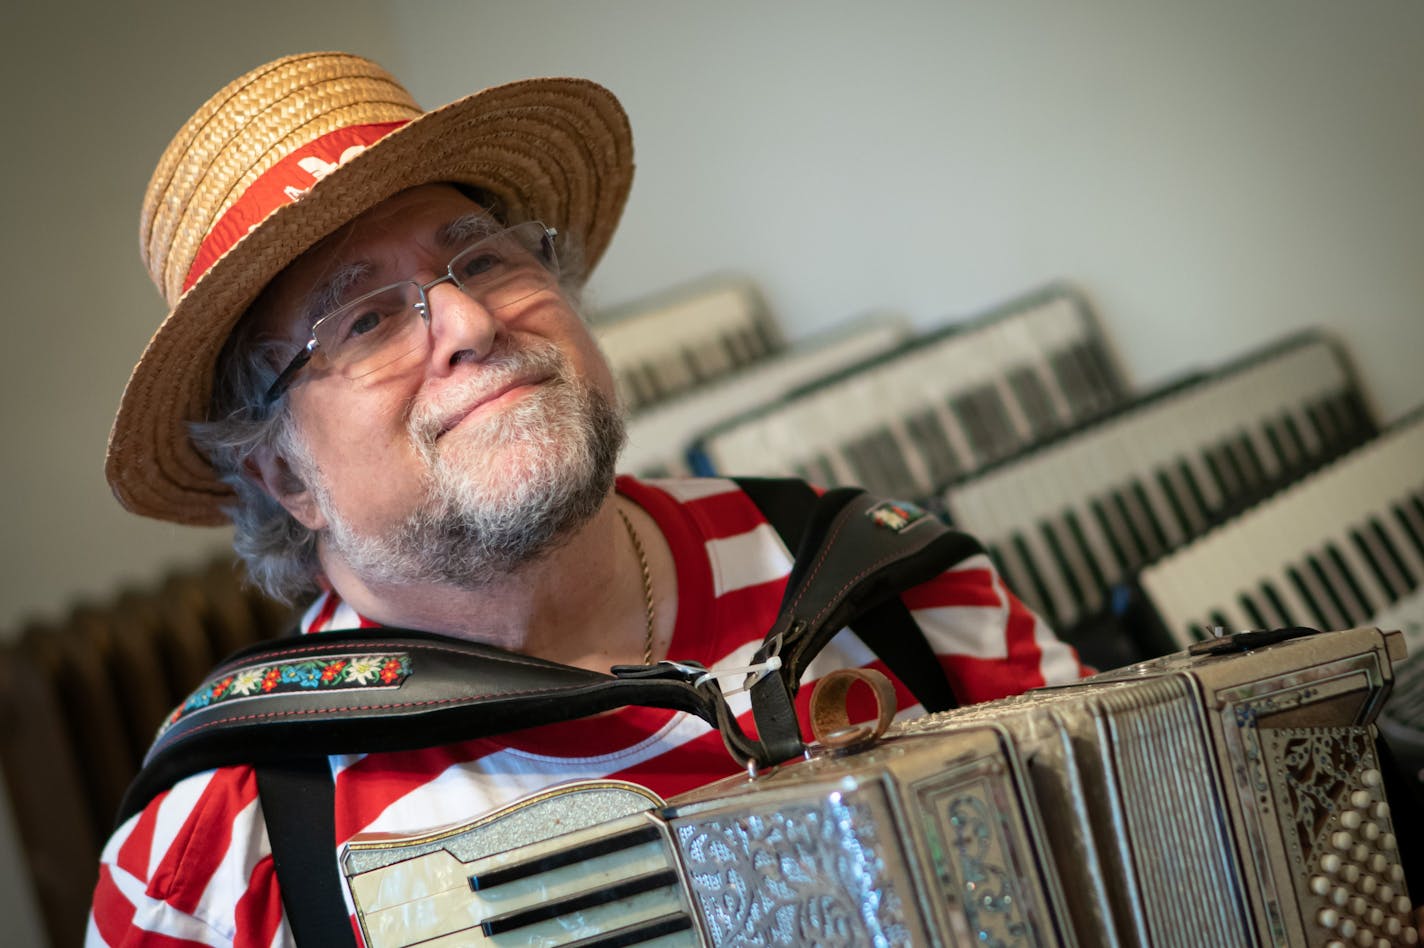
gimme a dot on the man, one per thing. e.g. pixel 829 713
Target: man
pixel 374 365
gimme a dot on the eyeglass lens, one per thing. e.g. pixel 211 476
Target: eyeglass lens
pixel 377 329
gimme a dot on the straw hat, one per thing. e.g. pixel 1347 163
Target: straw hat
pixel 287 154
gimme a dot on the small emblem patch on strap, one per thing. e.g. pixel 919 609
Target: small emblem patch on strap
pixel 331 673
pixel 897 515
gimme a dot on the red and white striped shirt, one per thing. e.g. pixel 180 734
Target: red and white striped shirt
pixel 195 866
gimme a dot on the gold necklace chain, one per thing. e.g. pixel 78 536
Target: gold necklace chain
pixel 647 583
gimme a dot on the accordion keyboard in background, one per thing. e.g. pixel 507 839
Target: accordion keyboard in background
pixel 910 421
pixel 1227 800
pixel 659 435
pixel 1070 518
pixel 660 347
pixel 1343 547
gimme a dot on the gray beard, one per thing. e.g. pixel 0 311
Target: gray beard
pixel 498 497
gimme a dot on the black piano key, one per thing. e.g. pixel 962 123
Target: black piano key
pixel 866 461
pixel 732 350
pixel 820 471
pixel 896 467
pixel 1391 550
pixel 1156 534
pixel 1321 422
pixel 1232 463
pixel 692 365
pixel 1191 525
pixel 1287 458
pixel 1069 375
pixel 1096 397
pixel 1249 462
pixel 1352 583
pixel 1110 531
pixel 930 438
pixel 1100 367
pixel 1415 504
pixel 1220 625
pixel 767 340
pixel 1225 483
pixel 1295 440
pixel 1035 578
pixel 1268 592
pixel 1003 434
pixel 1362 425
pixel 1407 525
pixel 1033 401
pixel 1333 593
pixel 1248 605
pixel 1080 539
pixel 1374 559
pixel 1348 427
pixel 1132 540
pixel 1194 491
pixel 1307 593
pixel 1065 569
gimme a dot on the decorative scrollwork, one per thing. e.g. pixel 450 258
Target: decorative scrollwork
pixel 802 875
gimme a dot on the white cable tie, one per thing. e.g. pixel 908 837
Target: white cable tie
pixel 754 673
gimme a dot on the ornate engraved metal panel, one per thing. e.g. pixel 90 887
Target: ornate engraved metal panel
pixel 803 874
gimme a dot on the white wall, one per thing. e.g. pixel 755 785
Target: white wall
pixel 1212 173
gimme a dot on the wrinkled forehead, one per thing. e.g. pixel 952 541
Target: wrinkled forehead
pixel 391 241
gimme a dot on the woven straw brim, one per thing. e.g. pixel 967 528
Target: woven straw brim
pixel 557 150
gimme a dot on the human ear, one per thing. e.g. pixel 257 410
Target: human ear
pixel 271 471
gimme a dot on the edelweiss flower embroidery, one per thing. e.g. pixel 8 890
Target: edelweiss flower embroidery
pixel 327 673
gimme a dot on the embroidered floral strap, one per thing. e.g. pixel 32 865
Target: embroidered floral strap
pixel 329 673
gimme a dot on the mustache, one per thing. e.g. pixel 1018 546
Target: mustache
pixel 506 363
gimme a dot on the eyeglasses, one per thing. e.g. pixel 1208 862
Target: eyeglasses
pixel 373 331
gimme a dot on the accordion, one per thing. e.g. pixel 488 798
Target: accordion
pixel 1227 795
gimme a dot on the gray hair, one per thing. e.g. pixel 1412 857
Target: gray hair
pixel 280 552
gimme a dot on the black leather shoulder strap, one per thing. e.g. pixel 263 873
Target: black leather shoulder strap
pixel 299 806
pixel 855 553
pixel 373 690
pixel 888 629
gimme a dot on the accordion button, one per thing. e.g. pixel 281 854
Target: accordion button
pixel 1330 863
pixel 1391 926
pixel 1347 927
pixel 1385 894
pixel 1370 831
pixel 1401 904
pixel 1364 938
pixel 1319 885
pixel 1396 872
pixel 1380 810
pixel 1409 936
pixel 1340 895
pixel 1351 819
pixel 1328 918
pixel 1368 884
pixel 1341 840
pixel 1360 799
pixel 1378 862
pixel 1350 873
pixel 1370 778
pixel 1375 917
pixel 1359 853
pixel 1334 944
pixel 1358 905
pixel 1387 841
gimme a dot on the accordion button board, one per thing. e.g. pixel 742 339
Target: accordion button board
pixel 1228 797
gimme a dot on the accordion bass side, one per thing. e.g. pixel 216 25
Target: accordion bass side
pixel 1225 797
